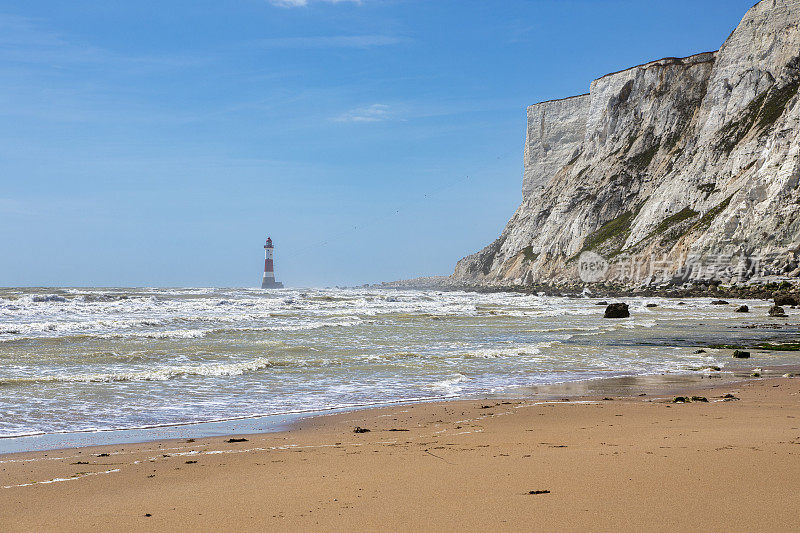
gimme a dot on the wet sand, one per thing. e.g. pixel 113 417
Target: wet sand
pixel 627 463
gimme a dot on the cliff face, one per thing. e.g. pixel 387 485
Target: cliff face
pixel 688 165
pixel 555 134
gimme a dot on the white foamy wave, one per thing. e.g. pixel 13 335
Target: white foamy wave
pixel 512 352
pixel 48 298
pixel 143 328
pixel 450 385
pixel 174 334
pixel 157 374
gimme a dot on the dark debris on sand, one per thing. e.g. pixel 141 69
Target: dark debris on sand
pixel 690 399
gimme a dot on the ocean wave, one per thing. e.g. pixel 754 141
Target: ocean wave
pixel 284 357
pixel 156 374
pixel 110 329
pixel 48 298
pixel 450 385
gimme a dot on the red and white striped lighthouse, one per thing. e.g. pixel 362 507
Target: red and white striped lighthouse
pixel 268 281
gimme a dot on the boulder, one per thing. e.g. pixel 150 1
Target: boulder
pixel 719 302
pixel 651 305
pixel 742 309
pixel 618 310
pixel 785 299
pixel 777 311
pixel 741 354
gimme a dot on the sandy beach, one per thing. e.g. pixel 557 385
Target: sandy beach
pixel 623 463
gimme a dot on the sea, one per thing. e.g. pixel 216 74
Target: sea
pixel 87 360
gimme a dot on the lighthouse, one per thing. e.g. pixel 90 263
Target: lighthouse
pixel 268 281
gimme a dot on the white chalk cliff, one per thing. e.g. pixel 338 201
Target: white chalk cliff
pixel 696 157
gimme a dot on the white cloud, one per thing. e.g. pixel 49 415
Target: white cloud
pixel 303 3
pixel 370 113
pixel 334 41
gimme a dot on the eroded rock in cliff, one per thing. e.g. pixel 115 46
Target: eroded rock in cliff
pixel 685 160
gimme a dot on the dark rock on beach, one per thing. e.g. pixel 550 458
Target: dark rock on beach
pixel 741 354
pixel 742 309
pixel 360 430
pixel 720 302
pixel 777 311
pixel 618 310
pixel 782 299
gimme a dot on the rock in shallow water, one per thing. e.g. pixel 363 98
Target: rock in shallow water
pixel 618 310
pixel 777 311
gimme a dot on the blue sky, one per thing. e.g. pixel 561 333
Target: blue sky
pixel 158 143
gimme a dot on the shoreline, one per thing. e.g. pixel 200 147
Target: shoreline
pixel 677 347
pixel 590 389
pixel 760 290
pixel 626 462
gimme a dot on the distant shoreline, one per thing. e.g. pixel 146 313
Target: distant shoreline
pixel 766 290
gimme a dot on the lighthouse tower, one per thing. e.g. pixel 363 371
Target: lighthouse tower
pixel 268 281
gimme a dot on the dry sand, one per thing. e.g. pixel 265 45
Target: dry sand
pixel 628 464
